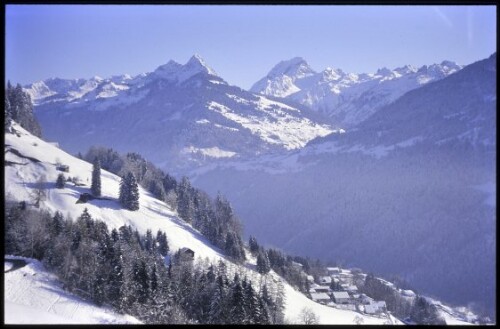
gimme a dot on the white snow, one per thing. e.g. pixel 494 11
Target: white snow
pixel 174 71
pixel 7 266
pixel 214 152
pixel 34 296
pixel 348 97
pixel 289 131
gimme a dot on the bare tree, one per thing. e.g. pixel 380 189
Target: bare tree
pixel 39 193
pixel 307 316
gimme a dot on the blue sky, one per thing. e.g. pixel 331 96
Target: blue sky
pixel 241 43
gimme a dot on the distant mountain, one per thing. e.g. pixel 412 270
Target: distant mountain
pixel 179 116
pixel 410 191
pixel 460 108
pixel 347 98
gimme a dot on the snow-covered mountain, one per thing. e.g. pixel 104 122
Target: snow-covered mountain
pixel 176 116
pixel 411 191
pixel 29 158
pixel 348 98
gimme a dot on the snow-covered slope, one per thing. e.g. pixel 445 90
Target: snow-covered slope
pixel 21 173
pixel 176 116
pixel 347 98
pixel 33 296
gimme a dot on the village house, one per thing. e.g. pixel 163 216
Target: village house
pixel 366 299
pixel 375 307
pixel 341 297
pixel 344 286
pixel 320 297
pixel 324 289
pixel 186 253
pixel 333 270
pixel 325 280
pixel 352 289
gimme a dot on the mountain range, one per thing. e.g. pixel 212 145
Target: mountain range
pixel 178 116
pixel 347 98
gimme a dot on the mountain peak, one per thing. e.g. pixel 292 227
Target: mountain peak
pixel 197 62
pixel 384 71
pixel 175 71
pixel 406 69
pixel 296 67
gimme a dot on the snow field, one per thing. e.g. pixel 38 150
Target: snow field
pixel 33 296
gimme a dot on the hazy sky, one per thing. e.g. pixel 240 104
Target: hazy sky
pixel 241 43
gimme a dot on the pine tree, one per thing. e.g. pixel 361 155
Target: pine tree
pixel 162 243
pixel 60 181
pixel 124 191
pixel 252 305
pixel 254 246
pixel 20 109
pixel 148 240
pixel 129 192
pixel 133 200
pixel 185 202
pixel 95 187
pixel 263 264
pixel 238 302
pixel 8 116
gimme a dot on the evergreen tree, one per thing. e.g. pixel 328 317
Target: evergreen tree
pixel 133 200
pixel 8 116
pixel 61 181
pixel 422 312
pixel 148 241
pixel 238 312
pixel 253 245
pixel 263 264
pixel 185 202
pixel 129 192
pixel 253 310
pixel 124 191
pixel 95 186
pixel 20 109
pixel 162 243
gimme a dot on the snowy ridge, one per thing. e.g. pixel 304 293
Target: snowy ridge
pixel 174 71
pixel 278 126
pixel 153 214
pixel 348 98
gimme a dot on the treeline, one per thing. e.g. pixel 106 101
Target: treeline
pixel 18 107
pixel 127 271
pixel 418 310
pixel 294 269
pixel 215 219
